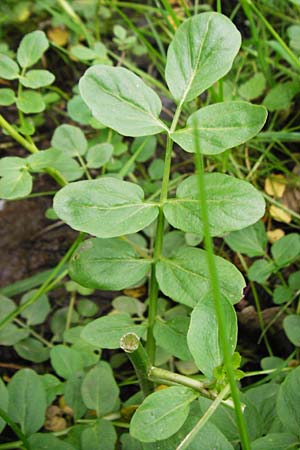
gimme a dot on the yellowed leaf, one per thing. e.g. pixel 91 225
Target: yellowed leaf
pixel 275 235
pixel 128 411
pixel 135 293
pixel 58 35
pixel 275 185
pixel 161 387
pixel 279 214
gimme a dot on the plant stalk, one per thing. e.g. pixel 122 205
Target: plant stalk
pixel 153 291
pixel 32 148
pixel 157 374
pixel 203 209
pixel 131 344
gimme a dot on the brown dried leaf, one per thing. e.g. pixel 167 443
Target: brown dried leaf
pixel 291 197
pixel 56 423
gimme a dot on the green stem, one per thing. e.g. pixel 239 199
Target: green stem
pixel 157 374
pixel 84 166
pixel 215 286
pixel 70 310
pixel 11 445
pixel 131 344
pixel 153 291
pixel 33 333
pixel 131 160
pixel 15 428
pixel 184 444
pixel 31 147
pixel 46 283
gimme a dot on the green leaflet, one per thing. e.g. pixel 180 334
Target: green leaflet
pixel 9 69
pixel 32 48
pixel 121 100
pixel 201 53
pixel 27 401
pixel 32 350
pixel 107 331
pixel 291 326
pixel 48 441
pixel 99 389
pixel 162 414
pixel 221 126
pixel 69 139
pixel 185 277
pixel 30 102
pixel 288 402
pixel 7 96
pixel 286 249
pixel 278 441
pixel 98 155
pixel 100 436
pixel 11 164
pixel 15 185
pixel 251 241
pixel 233 204
pixel 35 79
pixel 110 264
pixel 171 336
pixel 3 402
pixel 66 361
pixel 203 334
pixel 105 208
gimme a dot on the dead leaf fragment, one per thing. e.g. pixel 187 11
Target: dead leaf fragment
pixel 291 197
pixel 136 293
pixel 279 214
pixel 56 423
pixel 58 35
pixel 275 185
pixel 275 235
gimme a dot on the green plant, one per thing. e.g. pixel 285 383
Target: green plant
pixel 108 208
pixel 133 241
